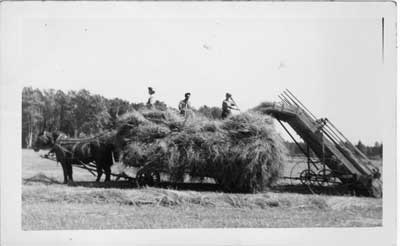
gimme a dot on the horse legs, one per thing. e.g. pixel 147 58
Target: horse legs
pixel 69 171
pixel 65 171
pixel 107 170
pixel 99 172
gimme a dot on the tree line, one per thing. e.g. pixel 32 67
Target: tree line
pixel 78 113
pixel 372 152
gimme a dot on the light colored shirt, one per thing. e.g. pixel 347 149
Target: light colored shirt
pixel 184 105
pixel 227 105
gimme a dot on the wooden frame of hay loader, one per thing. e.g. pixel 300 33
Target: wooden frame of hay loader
pixel 338 162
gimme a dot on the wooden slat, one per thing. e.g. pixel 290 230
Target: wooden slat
pixel 301 122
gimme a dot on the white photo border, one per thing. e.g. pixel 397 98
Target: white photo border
pixel 12 14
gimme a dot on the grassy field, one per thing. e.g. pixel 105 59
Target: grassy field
pixel 49 205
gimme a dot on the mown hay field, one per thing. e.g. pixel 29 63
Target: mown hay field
pixel 49 205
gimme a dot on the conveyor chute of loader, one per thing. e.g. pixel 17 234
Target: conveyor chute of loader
pixel 331 147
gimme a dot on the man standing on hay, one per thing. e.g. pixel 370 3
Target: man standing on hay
pixel 150 101
pixel 227 105
pixel 184 105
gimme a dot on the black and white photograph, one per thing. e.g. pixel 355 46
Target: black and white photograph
pixel 276 119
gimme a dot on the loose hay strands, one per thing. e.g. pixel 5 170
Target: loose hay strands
pixel 243 153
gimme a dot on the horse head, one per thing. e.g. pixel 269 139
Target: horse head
pixel 46 140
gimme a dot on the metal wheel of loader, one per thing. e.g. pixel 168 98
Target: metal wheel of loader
pixel 308 177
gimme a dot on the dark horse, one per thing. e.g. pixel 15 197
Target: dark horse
pixel 98 150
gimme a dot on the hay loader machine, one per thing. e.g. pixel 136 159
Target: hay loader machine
pixel 338 162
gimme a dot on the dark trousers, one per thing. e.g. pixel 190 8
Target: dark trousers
pixel 225 114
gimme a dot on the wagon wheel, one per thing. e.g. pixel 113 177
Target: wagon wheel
pixel 150 178
pixel 327 178
pixel 310 180
pixel 293 175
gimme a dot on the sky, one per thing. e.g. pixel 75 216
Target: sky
pixel 334 66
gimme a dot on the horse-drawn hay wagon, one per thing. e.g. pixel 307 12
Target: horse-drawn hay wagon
pixel 243 153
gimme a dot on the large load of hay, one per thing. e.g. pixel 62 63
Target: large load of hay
pixel 243 153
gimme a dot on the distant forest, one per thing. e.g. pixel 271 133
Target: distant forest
pixel 80 113
pixel 372 152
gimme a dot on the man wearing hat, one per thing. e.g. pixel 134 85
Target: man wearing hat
pixel 227 105
pixel 150 101
pixel 184 105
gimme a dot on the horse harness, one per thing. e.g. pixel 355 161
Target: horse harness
pixel 62 141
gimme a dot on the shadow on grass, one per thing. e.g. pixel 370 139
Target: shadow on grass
pixel 121 184
pixel 304 189
pixel 191 186
pixel 40 178
pixel 131 184
pixel 110 184
pixel 43 179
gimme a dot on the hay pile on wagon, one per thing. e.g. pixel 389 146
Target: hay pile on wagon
pixel 243 153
